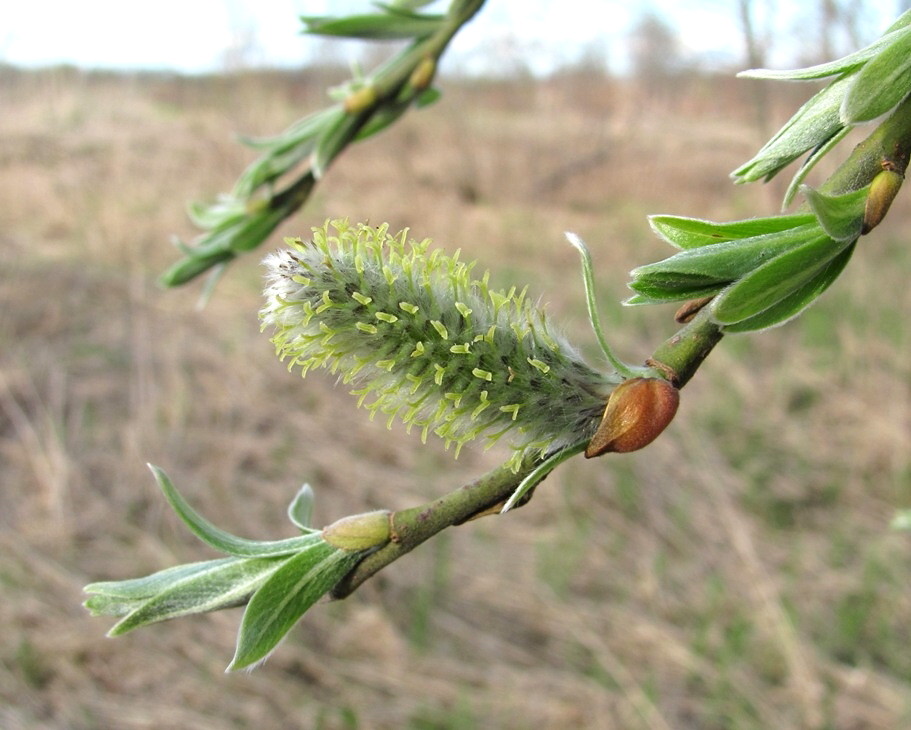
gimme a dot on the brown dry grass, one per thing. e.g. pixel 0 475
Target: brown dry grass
pixel 739 573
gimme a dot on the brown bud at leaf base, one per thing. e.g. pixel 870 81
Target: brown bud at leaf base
pixel 690 309
pixel 883 189
pixel 360 100
pixel 637 411
pixel 359 532
pixel 422 76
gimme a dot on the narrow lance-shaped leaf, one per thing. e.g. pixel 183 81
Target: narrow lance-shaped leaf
pixel 223 585
pixel 839 66
pixel 220 539
pixel 841 216
pixel 807 167
pixel 814 124
pixel 401 5
pixel 209 215
pixel 683 275
pixel 333 141
pixel 377 27
pixel 282 154
pixel 687 233
pixel 773 281
pixel 300 511
pixel 285 597
pixel 676 288
pixel 300 131
pixel 881 84
pixel 227 239
pixel 136 589
pixel 389 114
pixel 797 301
pixel 540 472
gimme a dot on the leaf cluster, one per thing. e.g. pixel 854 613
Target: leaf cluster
pixel 290 165
pixel 865 85
pixel 278 580
pixel 762 272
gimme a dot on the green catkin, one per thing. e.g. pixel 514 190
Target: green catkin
pixel 426 342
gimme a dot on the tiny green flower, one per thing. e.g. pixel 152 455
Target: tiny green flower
pixel 427 342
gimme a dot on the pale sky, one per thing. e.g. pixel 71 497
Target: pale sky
pixel 194 35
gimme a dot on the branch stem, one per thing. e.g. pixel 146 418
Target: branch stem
pixel 411 527
pixel 679 357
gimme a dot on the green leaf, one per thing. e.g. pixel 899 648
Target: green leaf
pixel 687 233
pixel 109 605
pixel 881 84
pixel 775 280
pixel 300 131
pixel 222 244
pixel 224 541
pixel 136 589
pixel 238 234
pixel 283 153
pixel 223 585
pixel 333 141
pixel 902 520
pixel 588 283
pixel 814 124
pixel 841 216
pixel 256 228
pixel 285 597
pixel 700 271
pixel 269 168
pixel 658 292
pixel 300 511
pixel 384 116
pixel 377 27
pixel 192 266
pixel 399 5
pixel 800 299
pixel 210 215
pixel 831 68
pixel 536 476
pixel 815 156
pixel 903 21
pixel 427 97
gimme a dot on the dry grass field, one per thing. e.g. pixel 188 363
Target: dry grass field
pixel 739 573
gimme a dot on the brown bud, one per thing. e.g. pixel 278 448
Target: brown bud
pixel 359 532
pixel 360 100
pixel 883 189
pixel 422 76
pixel 690 309
pixel 637 411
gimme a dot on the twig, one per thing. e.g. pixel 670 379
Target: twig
pixel 679 358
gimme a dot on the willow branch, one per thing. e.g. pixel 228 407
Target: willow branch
pixel 678 358
pixel 411 527
pixel 232 231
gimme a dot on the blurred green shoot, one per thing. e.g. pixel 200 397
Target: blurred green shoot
pixel 762 272
pixel 867 84
pixel 290 165
pixel 278 580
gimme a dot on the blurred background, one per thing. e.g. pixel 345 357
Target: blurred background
pixel 739 573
